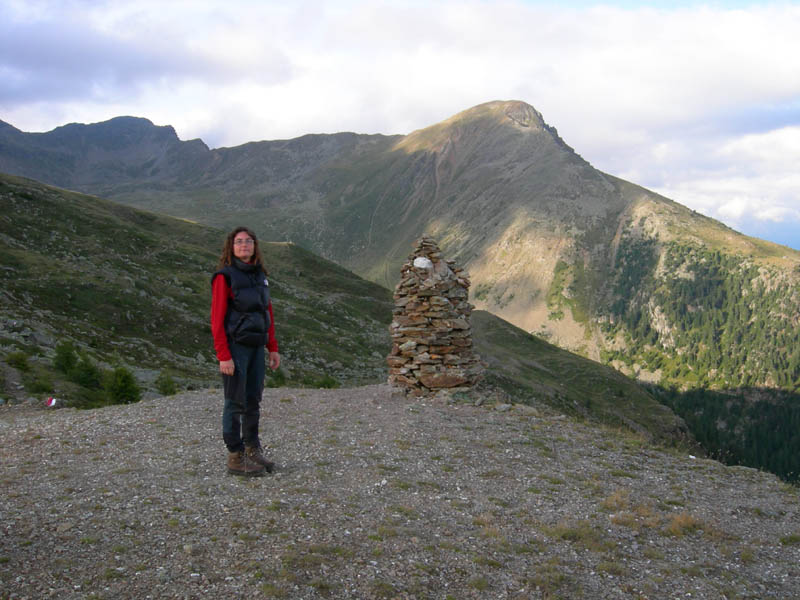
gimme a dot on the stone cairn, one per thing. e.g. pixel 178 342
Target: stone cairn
pixel 431 335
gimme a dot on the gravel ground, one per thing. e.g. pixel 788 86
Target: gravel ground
pixel 378 496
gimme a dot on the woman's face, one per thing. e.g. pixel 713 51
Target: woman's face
pixel 243 246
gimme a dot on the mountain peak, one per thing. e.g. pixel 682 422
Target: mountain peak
pixel 6 127
pixel 519 113
pixel 490 119
pixel 523 114
pixel 130 127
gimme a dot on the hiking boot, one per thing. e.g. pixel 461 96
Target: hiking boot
pixel 254 454
pixel 240 464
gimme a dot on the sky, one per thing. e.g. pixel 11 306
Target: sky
pixel 698 101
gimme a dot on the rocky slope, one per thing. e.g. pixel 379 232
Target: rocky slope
pixel 131 287
pixel 134 287
pixel 377 496
pixel 593 263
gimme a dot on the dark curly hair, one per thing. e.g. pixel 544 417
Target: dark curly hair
pixel 227 256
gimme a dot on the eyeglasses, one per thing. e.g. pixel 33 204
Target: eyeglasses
pixel 243 242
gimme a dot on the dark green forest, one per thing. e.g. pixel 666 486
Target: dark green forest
pixel 722 331
pixel 705 318
pixel 753 427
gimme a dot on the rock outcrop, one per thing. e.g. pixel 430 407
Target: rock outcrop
pixel 431 334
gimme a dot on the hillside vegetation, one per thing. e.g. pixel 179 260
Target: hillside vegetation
pixel 593 263
pixel 755 427
pixel 131 288
pixel 529 367
pixel 697 316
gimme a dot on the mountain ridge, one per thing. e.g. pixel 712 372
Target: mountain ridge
pixel 102 276
pixel 130 287
pixel 553 245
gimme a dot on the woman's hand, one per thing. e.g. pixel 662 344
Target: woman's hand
pixel 274 360
pixel 226 367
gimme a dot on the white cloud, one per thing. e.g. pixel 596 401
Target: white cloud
pixel 747 181
pixel 699 102
pixel 776 151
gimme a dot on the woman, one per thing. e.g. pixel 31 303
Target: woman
pixel 242 325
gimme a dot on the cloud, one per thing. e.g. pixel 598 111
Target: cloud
pixel 697 101
pixel 772 151
pixel 72 55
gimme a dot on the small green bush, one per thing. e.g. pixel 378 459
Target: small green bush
pixel 18 360
pixel 791 540
pixel 165 384
pixel 86 399
pixel 314 381
pixel 276 379
pixel 85 373
pixel 327 381
pixel 121 386
pixel 38 381
pixel 66 358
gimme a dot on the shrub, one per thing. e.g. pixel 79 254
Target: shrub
pixel 85 373
pixel 121 386
pixel 87 399
pixel 18 360
pixel 582 534
pixel 682 524
pixel 37 382
pixel 617 501
pixel 791 540
pixel 327 381
pixel 66 358
pixel 276 379
pixel 165 384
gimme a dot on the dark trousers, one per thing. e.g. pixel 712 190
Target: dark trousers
pixel 243 392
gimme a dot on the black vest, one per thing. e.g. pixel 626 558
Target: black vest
pixel 247 319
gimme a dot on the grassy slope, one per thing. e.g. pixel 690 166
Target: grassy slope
pixel 133 287
pixel 505 197
pixel 532 367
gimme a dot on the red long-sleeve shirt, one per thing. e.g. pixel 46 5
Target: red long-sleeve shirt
pixel 220 295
